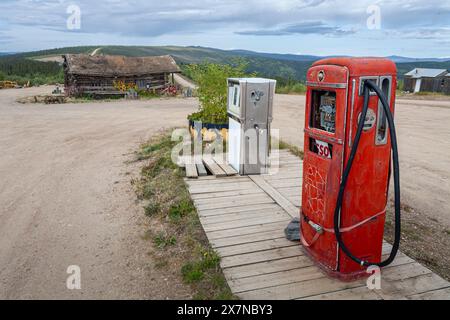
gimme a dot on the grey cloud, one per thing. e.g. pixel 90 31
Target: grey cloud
pixel 259 17
pixel 312 27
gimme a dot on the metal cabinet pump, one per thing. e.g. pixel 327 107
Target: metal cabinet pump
pixel 350 147
pixel 250 103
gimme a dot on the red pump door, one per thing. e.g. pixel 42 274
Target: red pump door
pixel 334 102
pixel 324 148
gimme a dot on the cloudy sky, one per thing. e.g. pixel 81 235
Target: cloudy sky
pixel 419 28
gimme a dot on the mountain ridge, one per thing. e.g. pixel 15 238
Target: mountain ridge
pixel 274 65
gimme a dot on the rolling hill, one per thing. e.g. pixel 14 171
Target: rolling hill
pixel 280 66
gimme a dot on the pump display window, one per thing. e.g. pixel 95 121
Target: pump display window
pixel 323 110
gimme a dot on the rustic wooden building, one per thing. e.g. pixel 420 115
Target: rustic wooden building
pixel 427 80
pixel 99 75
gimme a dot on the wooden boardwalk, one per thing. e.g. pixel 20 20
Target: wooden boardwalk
pixel 244 219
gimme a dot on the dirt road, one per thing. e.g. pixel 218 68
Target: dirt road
pixel 423 129
pixel 66 198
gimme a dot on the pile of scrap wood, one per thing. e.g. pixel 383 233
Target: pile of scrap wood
pixel 47 99
pixel 8 84
pixel 206 165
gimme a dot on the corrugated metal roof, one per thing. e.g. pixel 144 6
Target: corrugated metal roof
pixel 424 72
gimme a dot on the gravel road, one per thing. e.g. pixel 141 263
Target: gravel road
pixel 66 198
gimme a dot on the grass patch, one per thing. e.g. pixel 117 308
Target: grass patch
pixel 283 145
pixel 162 240
pixel 180 244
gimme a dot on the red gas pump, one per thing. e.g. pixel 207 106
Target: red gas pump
pixel 347 164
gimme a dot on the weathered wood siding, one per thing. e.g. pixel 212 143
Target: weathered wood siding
pixel 80 84
pixel 438 84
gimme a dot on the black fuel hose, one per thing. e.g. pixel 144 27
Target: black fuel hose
pixel 368 84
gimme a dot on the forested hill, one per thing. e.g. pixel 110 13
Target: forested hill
pixel 280 66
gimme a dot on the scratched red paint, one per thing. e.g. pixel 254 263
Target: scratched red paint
pixel 366 192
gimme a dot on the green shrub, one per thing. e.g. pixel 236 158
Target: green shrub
pixel 181 209
pixel 162 240
pixel 211 79
pixel 291 87
pixel 191 272
pixel 195 270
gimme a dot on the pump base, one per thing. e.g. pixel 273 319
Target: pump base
pixel 345 277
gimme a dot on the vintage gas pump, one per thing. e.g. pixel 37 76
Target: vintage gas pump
pixel 349 141
pixel 250 102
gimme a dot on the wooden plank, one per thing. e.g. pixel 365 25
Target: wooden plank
pixel 282 176
pixel 268 267
pixel 230 199
pixel 296 201
pixel 282 201
pixel 206 181
pixel 274 217
pixel 440 294
pixel 257 260
pixel 289 161
pixel 408 280
pixel 214 178
pixel 290 191
pixel 361 293
pixel 286 183
pixel 238 216
pixel 250 230
pixel 213 167
pixel 275 279
pixel 403 271
pixel 216 212
pixel 255 247
pixel 249 238
pixel 214 184
pixel 254 200
pixel 303 289
pixel 301 272
pixel 201 170
pixel 254 257
pixel 191 171
pixel 224 187
pixel 218 195
pixel 290 167
pixel 225 167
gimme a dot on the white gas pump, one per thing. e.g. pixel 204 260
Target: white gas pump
pixel 250 104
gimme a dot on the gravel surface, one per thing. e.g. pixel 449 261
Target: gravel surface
pixel 66 198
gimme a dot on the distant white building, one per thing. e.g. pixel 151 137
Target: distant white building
pixel 429 80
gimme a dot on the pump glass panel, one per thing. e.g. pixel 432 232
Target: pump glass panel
pixel 323 110
pixel 382 125
pixel 234 98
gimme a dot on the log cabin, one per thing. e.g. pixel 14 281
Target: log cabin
pixel 100 75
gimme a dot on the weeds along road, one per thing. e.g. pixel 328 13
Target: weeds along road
pixel 423 130
pixel 66 198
